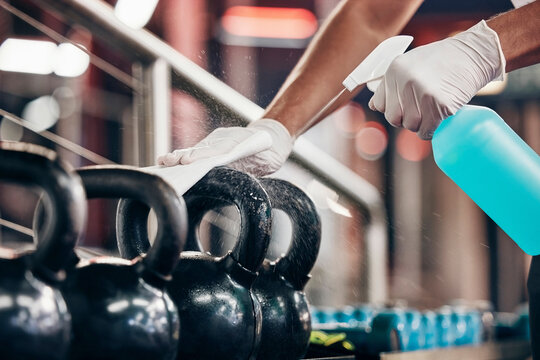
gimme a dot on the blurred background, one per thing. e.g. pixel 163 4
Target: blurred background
pixel 124 81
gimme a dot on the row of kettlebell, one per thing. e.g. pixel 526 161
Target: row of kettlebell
pixel 159 302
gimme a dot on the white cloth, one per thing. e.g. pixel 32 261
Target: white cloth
pixel 520 3
pixel 429 83
pixel 222 140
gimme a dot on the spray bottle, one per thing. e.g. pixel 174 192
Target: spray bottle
pixel 476 149
pixel 496 168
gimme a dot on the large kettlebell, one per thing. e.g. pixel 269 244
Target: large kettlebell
pixel 120 309
pixel 220 317
pixel 34 321
pixel 280 285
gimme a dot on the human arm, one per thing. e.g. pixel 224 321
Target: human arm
pixel 519 35
pixel 349 34
pixel 426 85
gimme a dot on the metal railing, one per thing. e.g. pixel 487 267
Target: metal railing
pixel 161 67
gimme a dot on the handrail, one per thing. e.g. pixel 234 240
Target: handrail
pixel 142 46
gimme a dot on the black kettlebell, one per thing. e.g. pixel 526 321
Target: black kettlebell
pixel 34 321
pixel 220 317
pixel 120 309
pixel 533 287
pixel 280 285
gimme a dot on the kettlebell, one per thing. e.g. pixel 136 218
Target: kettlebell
pixel 220 317
pixel 533 287
pixel 120 308
pixel 280 285
pixel 34 321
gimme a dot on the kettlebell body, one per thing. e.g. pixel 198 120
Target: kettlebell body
pixel 34 320
pixel 110 302
pixel 286 325
pixel 206 294
pixel 220 317
pixel 120 308
pixel 286 317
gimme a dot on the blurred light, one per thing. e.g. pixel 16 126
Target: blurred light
pixel 42 113
pixel 326 198
pixel 320 193
pixel 70 61
pixel 349 119
pixel 6 301
pixel 9 131
pixel 411 147
pixel 371 141
pixel 269 22
pixel 202 299
pixel 42 57
pixel 6 253
pixel 135 13
pixel 67 100
pixel 338 208
pixel 494 87
pixel 104 259
pixel 24 301
pixel 27 56
pixel 140 302
pixel 118 306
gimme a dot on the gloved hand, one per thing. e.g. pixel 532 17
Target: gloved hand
pixel 426 85
pixel 222 140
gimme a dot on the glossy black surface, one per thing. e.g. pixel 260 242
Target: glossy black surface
pixel 117 315
pixel 533 286
pixel 286 325
pixel 34 320
pixel 120 309
pixel 219 316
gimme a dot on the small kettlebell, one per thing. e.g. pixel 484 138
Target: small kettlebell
pixel 34 321
pixel 220 317
pixel 120 308
pixel 286 326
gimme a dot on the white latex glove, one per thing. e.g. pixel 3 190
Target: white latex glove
pixel 426 85
pixel 222 140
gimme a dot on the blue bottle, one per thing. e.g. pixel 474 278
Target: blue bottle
pixel 414 330
pixel 323 315
pixel 444 329
pixel 459 325
pixel 428 335
pixel 364 313
pixel 345 315
pixel 474 327
pixel 496 168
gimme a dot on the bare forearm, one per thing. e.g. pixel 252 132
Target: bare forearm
pixel 519 34
pixel 354 29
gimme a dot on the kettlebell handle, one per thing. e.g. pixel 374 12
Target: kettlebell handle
pixel 128 182
pixel 219 187
pixel 30 164
pixel 306 230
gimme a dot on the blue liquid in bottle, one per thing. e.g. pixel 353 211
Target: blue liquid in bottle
pixel 496 168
